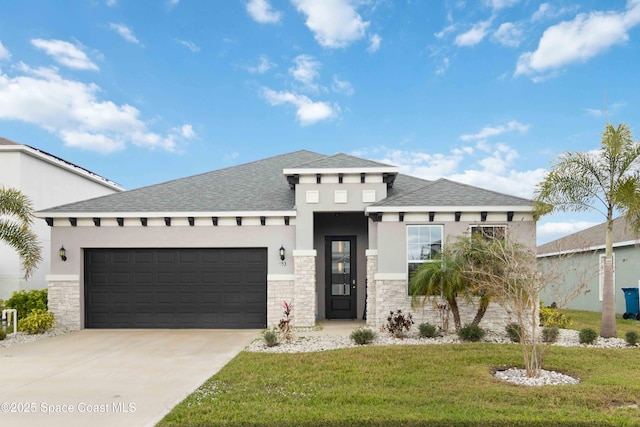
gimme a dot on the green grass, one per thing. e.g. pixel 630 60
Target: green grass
pixel 591 319
pixel 414 385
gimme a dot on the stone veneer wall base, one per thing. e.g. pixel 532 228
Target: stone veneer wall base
pixel 64 300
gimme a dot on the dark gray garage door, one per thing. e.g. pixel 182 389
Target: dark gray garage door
pixel 175 288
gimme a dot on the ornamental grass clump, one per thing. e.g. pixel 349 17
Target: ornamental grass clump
pixel 473 333
pixel 587 336
pixel 550 334
pixel 362 336
pixel 631 337
pixel 514 332
pixel 427 330
pixel 270 338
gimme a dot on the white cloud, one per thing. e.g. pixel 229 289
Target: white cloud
pixel 446 30
pixel 125 32
pixel 306 71
pixel 442 68
pixel 186 131
pixel 578 40
pixel 500 4
pixel 543 11
pixel 334 23
pixel 495 170
pixel 65 54
pixel 173 3
pixel 4 53
pixel 342 86
pixel 189 45
pixel 261 11
pixel 112 3
pixel 475 35
pixel 72 110
pixel 508 34
pixel 374 43
pixel 490 131
pixel 308 112
pixel 264 65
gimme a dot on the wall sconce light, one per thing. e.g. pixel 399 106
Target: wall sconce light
pixel 281 252
pixel 63 253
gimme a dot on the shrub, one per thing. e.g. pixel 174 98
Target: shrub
pixel 36 322
pixel 514 331
pixel 362 336
pixel 550 316
pixel 398 324
pixel 472 333
pixel 550 334
pixel 427 330
pixel 270 338
pixel 632 338
pixel 27 301
pixel 587 336
pixel 3 334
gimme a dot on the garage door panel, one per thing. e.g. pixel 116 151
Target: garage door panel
pixel 175 288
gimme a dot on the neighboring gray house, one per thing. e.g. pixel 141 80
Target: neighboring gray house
pixel 583 253
pixel 47 180
pixel 334 235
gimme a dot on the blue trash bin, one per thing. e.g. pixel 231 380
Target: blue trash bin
pixel 632 303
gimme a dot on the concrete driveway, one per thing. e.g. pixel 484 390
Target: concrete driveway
pixel 110 377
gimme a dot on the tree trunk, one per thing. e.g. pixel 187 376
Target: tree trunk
pixel 482 309
pixel 608 327
pixel 453 304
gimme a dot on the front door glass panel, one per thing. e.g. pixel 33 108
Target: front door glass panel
pixel 341 267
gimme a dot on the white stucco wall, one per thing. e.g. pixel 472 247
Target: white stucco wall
pixel 48 182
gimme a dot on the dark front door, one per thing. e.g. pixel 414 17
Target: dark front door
pixel 340 277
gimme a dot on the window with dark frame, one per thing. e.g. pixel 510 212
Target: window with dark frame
pixel 490 231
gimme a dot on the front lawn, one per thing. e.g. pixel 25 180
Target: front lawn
pixel 592 319
pixel 414 385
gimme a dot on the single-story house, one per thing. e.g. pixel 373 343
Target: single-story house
pixel 580 256
pixel 47 180
pixel 335 235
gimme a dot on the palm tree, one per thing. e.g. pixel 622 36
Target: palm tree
pixel 16 216
pixel 606 181
pixel 442 278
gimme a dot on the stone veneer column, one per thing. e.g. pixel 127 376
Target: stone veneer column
pixel 280 288
pixel 372 268
pixel 64 300
pixel 304 288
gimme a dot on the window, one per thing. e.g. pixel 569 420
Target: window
pixel 424 244
pixel 490 231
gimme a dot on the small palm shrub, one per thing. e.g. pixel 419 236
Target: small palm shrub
pixel 550 334
pixel 587 336
pixel 473 333
pixel 632 338
pixel 37 322
pixel 427 330
pixel 362 336
pixel 514 332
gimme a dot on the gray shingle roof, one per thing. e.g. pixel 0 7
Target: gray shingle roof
pixel 255 186
pixel 341 160
pixel 443 192
pixel 261 186
pixel 590 237
pixel 5 141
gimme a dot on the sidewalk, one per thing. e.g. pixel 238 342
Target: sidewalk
pixel 335 327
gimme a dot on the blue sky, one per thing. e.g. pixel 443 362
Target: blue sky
pixel 485 92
